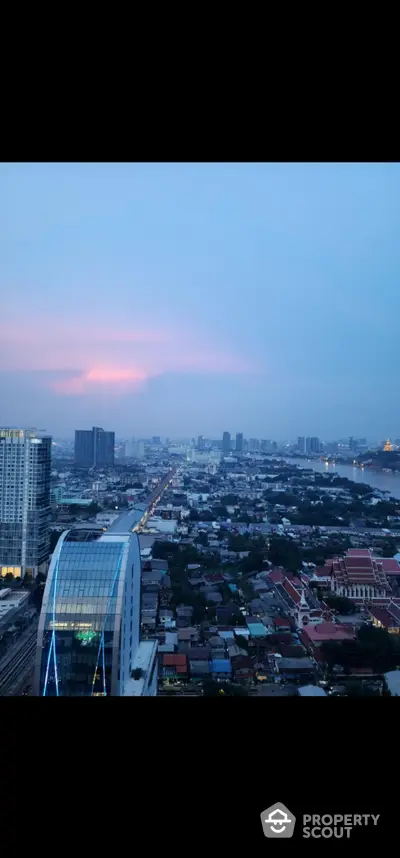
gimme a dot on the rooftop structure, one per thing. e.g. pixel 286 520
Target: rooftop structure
pixel 11 602
pixel 311 691
pixel 88 639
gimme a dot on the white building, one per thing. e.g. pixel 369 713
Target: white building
pixel 25 469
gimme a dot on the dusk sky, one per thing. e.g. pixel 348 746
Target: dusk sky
pixel 179 299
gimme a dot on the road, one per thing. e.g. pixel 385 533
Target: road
pixel 154 497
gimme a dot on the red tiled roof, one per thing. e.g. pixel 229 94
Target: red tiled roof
pixel 281 621
pixel 328 632
pixel 390 565
pixel 175 660
pixel 296 582
pixel 359 552
pixel 394 610
pixel 276 576
pixel 291 591
pixel 358 569
pixel 322 572
pixel 387 620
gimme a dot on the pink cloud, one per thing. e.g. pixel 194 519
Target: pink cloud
pixel 113 359
pixel 111 380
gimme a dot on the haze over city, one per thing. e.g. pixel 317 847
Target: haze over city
pixel 187 298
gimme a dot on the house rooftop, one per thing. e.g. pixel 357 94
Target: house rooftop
pixel 328 632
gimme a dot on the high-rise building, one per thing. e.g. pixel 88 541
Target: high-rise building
pixel 201 442
pixel 94 448
pixel 89 628
pixel 139 449
pixel 301 444
pixel 226 443
pixel 239 442
pixel 313 445
pixel 25 469
pixel 156 440
pixel 254 445
pixel 130 448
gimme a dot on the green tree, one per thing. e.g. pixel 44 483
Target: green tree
pixel 220 511
pixel 94 508
pixel 341 604
pixel 284 552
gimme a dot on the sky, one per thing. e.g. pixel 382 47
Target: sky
pixel 185 299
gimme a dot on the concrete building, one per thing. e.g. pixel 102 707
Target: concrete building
pixel 226 443
pixel 313 445
pixel 301 444
pixel 239 442
pixel 12 602
pixel 94 448
pixel 25 470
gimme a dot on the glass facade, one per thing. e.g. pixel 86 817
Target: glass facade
pixel 89 622
pixel 94 448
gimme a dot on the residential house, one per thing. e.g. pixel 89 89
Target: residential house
pixel 188 634
pixel 221 668
pixel 295 669
pixel 174 666
pixel 313 637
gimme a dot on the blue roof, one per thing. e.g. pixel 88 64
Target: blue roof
pixel 257 630
pixel 221 665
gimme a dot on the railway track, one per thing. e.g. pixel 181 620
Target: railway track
pixel 16 670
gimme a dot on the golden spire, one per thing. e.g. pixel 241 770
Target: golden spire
pixel 388 446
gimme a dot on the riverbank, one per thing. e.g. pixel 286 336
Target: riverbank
pixel 377 479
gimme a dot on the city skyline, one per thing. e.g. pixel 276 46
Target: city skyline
pixel 187 297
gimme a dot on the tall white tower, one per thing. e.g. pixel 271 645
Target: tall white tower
pixel 25 469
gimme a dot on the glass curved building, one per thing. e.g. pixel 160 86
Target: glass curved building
pixel 88 637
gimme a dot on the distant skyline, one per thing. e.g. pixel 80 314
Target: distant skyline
pixel 179 299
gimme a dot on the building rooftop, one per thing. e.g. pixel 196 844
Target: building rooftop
pixel 311 691
pixel 144 658
pixel 359 569
pixel 328 632
pixel 128 520
pixel 393 682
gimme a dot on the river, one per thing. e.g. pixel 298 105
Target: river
pixel 368 476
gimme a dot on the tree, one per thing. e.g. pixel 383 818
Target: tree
pixel 220 512
pixel 389 547
pixel 94 508
pixel 341 604
pixel 284 552
pixel 229 500
pixel 211 688
pixel 373 648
